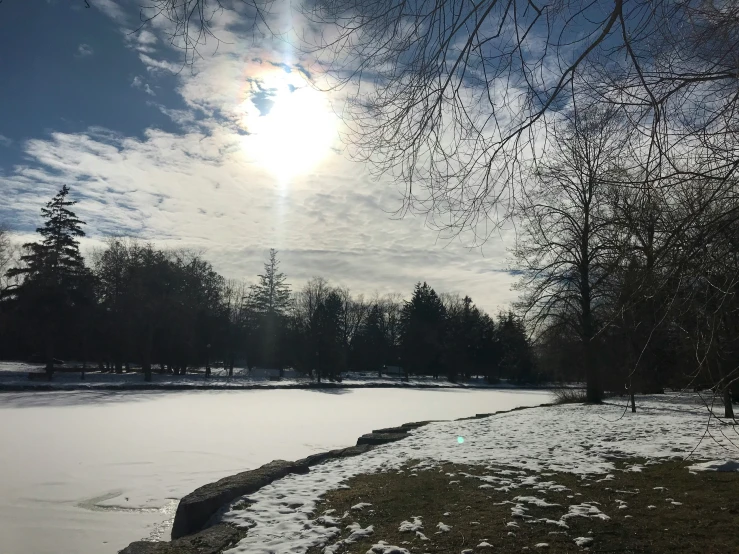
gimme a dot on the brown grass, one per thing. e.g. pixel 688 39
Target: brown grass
pixel 706 521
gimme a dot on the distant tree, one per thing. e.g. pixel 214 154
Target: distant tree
pixel 57 258
pixel 370 345
pixel 270 299
pixel 6 254
pixel 516 360
pixel 55 282
pixel 327 337
pixel 271 295
pixel 423 327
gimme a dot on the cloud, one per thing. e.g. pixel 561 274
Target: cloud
pixel 203 187
pixel 5 141
pixel 111 9
pixel 139 83
pixel 141 40
pixel 84 50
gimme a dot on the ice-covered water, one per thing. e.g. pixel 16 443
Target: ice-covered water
pixel 88 472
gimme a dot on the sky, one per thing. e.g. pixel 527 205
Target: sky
pixel 231 155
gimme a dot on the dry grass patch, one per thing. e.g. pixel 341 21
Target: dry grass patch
pixel 690 513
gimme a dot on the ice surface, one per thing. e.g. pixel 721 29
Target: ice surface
pixel 87 472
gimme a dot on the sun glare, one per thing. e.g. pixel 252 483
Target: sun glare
pixel 297 132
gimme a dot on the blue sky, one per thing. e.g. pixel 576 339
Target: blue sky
pixel 231 156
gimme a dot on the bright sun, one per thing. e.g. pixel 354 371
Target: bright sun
pixel 296 133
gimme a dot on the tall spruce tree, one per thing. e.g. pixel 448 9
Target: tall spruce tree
pixel 272 294
pixel 270 299
pixel 423 328
pixel 55 283
pixel 56 260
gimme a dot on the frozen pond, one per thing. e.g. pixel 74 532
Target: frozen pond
pixel 88 472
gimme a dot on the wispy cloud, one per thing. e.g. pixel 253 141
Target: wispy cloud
pixel 110 8
pixel 84 50
pixel 141 40
pixel 203 188
pixel 139 83
pixel 5 141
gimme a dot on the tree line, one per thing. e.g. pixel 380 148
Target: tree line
pixel 630 271
pixel 132 305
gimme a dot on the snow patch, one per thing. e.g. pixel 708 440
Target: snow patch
pixel 716 465
pixel 583 541
pixel 408 526
pixel 384 548
pixel 443 528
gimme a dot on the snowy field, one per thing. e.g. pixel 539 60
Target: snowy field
pixel 570 438
pixel 15 374
pixel 87 472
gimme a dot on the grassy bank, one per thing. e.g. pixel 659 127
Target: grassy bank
pixel 640 508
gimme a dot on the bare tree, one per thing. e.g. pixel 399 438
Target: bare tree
pixel 9 257
pixel 565 248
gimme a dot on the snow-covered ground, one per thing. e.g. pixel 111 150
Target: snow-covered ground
pixel 570 438
pixel 14 374
pixel 87 472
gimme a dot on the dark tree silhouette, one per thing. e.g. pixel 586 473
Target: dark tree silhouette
pixel 54 279
pixel 423 329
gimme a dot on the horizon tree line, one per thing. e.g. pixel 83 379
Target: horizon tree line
pixel 134 306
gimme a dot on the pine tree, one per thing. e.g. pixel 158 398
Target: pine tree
pixel 56 259
pixel 269 300
pixel 423 328
pixel 55 282
pixel 272 295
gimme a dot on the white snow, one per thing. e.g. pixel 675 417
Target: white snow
pixel 384 548
pixel 586 509
pixel 361 506
pixel 578 439
pixel 443 528
pixel 583 541
pixel 539 502
pixel 484 544
pixel 101 469
pixel 411 526
pixel 716 465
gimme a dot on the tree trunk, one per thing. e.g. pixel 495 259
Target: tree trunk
pixel 728 407
pixel 633 403
pixel 594 388
pixel 118 366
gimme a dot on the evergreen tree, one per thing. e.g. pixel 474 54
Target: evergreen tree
pixel 270 299
pixel 423 330
pixel 56 259
pixel 55 284
pixel 271 295
pixel 370 346
pixel 326 336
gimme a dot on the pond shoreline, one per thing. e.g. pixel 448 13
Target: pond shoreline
pixel 193 527
pixel 61 387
